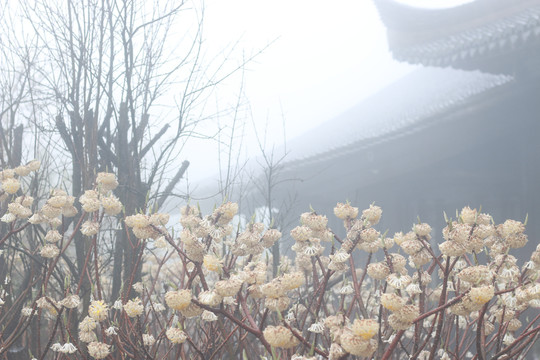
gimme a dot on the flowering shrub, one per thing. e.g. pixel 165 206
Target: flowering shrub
pixel 209 293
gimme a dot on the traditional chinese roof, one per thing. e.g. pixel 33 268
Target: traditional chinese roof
pixel 492 35
pixel 409 104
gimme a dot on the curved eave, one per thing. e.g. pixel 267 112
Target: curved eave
pixel 489 35
pixel 367 153
pixel 392 112
pixel 434 22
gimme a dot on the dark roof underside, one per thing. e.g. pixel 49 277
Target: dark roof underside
pixel 407 104
pixel 492 35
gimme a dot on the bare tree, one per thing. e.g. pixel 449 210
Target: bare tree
pixel 105 85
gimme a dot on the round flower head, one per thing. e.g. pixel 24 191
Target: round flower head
pixel 26 311
pixel 71 301
pixel 110 331
pixel 397 324
pixel 301 233
pixel 7 174
pixel 411 247
pixel 340 256
pixel 25 200
pixel 106 181
pixel 314 221
pixel 87 336
pixel 8 217
pixel 366 329
pixel 98 350
pixel 69 211
pixel 212 263
pixel 90 201
pixel 189 211
pixel 277 304
pixel 480 274
pixel 344 211
pixel 11 185
pixel 145 232
pixel 452 248
pixel 517 241
pixel 280 336
pixel 422 229
pixel 228 287
pixel 176 336
pixel 134 307
pixel 159 219
pixel 378 271
pixel 398 262
pixel 191 311
pixel 22 170
pixel 514 325
pixel 208 316
pixel 178 300
pixel 482 294
pixel 47 303
pixel 148 340
pixel 468 215
pixel 87 325
pixel 274 289
pixel 98 310
pixel 210 298
pixel 356 345
pixel 225 212
pixel 372 215
pixel 398 281
pixel 49 251
pixel 137 221
pixel 511 227
pixel 407 313
pixel 58 201
pixel 421 258
pixel 90 228
pixel 20 210
pixel 369 235
pixel 34 165
pixel 292 280
pixel 392 302
pixel 111 205
pixel 270 237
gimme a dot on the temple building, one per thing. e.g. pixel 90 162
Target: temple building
pixel 460 130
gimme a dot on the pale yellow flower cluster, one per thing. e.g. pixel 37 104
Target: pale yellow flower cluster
pixel 280 336
pixel 147 226
pixel 357 338
pixel 249 242
pixel 176 336
pixel 106 182
pixel 345 211
pixel 10 184
pixel 467 236
pixel 70 301
pixel 98 350
pixel 178 300
pixel 98 310
pixel 86 330
pixel 48 303
pixel 134 307
pixel 308 238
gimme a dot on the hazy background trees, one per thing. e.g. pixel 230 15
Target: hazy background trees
pixel 107 85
